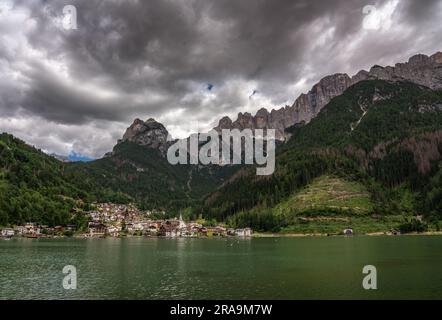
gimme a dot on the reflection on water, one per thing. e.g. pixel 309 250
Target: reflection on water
pixel 271 268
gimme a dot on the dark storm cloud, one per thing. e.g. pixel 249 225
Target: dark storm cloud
pixel 421 11
pixel 155 58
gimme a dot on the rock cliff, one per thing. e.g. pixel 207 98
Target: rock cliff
pixel 419 69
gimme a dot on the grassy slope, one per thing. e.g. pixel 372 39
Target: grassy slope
pixel 309 208
pixel 330 192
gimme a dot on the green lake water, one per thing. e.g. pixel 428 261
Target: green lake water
pixel 408 267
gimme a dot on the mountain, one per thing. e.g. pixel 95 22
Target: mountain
pixel 420 69
pixel 150 134
pixel 137 170
pixel 385 136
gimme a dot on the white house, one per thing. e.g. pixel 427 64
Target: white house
pixel 246 232
pixel 139 226
pixel 7 232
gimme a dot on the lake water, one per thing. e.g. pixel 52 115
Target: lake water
pixel 262 268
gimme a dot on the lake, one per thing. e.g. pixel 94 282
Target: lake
pixel 408 267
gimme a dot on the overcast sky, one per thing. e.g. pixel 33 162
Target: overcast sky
pixel 184 62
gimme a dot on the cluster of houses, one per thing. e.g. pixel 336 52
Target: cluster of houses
pixel 113 213
pixel 34 230
pixel 170 228
pixel 114 220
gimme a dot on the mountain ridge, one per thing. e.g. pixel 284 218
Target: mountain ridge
pixel 420 69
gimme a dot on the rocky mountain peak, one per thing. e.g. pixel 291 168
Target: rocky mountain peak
pixel 263 112
pixel 437 57
pixel 419 60
pixel 224 123
pixel 149 133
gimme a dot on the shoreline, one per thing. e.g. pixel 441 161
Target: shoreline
pixel 255 235
pixel 370 234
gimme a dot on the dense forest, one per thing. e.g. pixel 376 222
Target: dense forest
pixel 32 187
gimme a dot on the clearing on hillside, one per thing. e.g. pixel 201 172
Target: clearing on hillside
pixel 329 192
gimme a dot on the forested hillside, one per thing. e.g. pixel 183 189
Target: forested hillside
pixel 386 136
pixel 140 174
pixel 33 187
pixel 37 187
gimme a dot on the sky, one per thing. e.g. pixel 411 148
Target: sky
pixel 75 74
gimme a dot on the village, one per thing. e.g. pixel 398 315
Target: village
pixel 117 220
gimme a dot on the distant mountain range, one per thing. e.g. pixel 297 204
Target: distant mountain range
pixel 72 157
pixel 376 137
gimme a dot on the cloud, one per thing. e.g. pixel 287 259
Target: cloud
pixel 77 90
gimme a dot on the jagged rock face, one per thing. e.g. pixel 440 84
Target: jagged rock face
pixel 150 134
pixel 262 120
pixel 420 69
pixel 308 105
